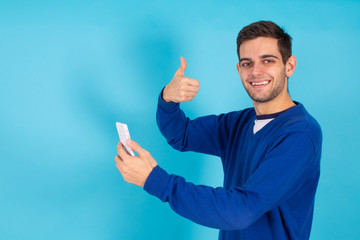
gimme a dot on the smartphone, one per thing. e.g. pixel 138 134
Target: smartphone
pixel 124 135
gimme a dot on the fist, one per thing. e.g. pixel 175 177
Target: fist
pixel 181 88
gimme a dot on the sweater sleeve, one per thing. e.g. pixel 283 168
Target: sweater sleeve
pixel 205 134
pixel 286 168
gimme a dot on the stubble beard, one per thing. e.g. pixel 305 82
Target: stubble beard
pixel 278 87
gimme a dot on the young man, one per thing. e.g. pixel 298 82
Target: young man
pixel 270 153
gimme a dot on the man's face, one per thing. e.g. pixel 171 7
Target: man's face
pixel 262 70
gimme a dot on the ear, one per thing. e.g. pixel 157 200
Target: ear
pixel 290 66
pixel 238 67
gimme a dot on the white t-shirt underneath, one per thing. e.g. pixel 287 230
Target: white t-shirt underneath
pixel 262 120
pixel 259 124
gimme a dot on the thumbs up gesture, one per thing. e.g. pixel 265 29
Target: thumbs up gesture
pixel 181 88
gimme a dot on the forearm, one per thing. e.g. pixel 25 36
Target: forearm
pixel 212 207
pixel 172 122
pixel 199 135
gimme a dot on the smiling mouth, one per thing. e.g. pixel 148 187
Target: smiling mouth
pixel 263 83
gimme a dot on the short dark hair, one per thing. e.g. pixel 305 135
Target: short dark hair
pixel 266 29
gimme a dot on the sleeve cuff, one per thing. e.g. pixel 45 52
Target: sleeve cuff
pixel 157 182
pixel 167 106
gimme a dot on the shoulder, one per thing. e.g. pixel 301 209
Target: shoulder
pixel 300 122
pixel 241 115
pixel 228 121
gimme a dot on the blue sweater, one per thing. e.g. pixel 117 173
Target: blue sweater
pixel 270 178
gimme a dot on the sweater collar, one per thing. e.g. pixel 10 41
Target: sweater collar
pixel 274 115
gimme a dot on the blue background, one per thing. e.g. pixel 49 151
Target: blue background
pixel 70 70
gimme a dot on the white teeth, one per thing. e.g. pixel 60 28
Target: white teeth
pixel 260 83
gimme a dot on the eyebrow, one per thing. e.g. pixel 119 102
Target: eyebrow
pixel 263 56
pixel 269 55
pixel 244 59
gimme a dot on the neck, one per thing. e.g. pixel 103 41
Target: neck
pixel 273 106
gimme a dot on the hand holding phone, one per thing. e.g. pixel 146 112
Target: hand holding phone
pixel 124 135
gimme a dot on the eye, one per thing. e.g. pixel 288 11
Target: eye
pixel 268 61
pixel 245 64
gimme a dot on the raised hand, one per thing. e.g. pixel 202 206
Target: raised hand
pixel 181 88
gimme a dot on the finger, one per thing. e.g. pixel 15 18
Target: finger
pixel 119 162
pixel 191 89
pixel 118 159
pixel 194 82
pixel 191 81
pixel 191 95
pixel 181 70
pixel 121 151
pixel 188 97
pixel 119 145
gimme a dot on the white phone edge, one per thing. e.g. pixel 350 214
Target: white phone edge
pixel 124 134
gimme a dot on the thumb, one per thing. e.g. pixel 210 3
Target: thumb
pixel 134 146
pixel 181 70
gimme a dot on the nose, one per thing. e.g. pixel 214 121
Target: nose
pixel 257 70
